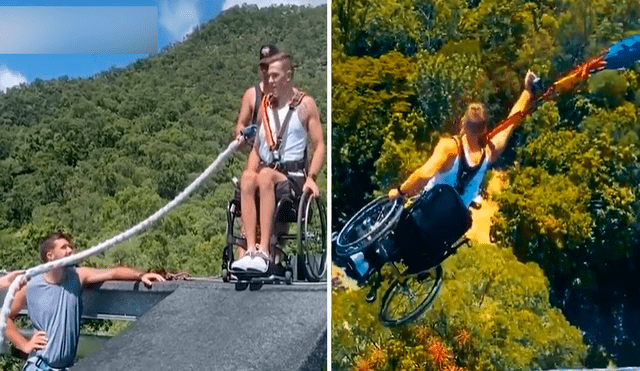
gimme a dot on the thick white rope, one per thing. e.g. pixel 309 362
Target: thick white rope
pixel 73 259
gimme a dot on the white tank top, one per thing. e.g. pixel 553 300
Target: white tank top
pixel 294 141
pixel 450 177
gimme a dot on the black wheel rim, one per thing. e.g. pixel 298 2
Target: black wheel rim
pixel 369 224
pixel 312 237
pixel 409 296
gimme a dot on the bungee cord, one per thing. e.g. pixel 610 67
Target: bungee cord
pixel 76 258
pixel 621 55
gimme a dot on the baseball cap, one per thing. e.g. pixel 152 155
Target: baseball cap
pixel 268 51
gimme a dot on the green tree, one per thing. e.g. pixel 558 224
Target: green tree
pixel 572 204
pixel 96 156
pixel 492 313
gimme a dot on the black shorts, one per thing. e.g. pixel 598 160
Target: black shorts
pixel 293 186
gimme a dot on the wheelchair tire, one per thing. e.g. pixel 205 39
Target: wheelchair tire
pixel 409 296
pixel 373 221
pixel 225 275
pixel 312 237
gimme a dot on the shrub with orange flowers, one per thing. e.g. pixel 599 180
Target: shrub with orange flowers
pixel 363 365
pixel 378 356
pixel 439 353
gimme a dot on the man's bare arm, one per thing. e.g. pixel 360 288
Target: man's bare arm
pixel 246 110
pixel 442 157
pixel 39 338
pixel 314 129
pixel 7 279
pixel 91 276
pixel 500 140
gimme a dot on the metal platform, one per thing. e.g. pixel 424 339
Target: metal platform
pixel 210 325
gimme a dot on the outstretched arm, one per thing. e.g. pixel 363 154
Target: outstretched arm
pixel 442 158
pixel 90 276
pixel 499 140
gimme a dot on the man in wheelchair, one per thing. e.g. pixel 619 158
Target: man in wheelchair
pixel 451 179
pixel 288 120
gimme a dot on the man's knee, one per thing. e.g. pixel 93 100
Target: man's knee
pixel 266 179
pixel 248 182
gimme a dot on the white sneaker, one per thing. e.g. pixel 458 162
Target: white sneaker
pixel 242 263
pixel 259 263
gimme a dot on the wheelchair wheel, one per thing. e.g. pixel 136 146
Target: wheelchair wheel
pixel 312 238
pixel 369 224
pixel 226 277
pixel 409 296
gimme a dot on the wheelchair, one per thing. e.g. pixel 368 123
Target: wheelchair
pixel 298 218
pixel 414 240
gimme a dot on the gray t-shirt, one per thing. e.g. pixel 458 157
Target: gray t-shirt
pixel 56 310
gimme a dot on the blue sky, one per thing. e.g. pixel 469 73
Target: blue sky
pixel 175 20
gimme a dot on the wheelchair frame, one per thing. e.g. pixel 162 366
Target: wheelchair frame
pixel 371 233
pixel 306 263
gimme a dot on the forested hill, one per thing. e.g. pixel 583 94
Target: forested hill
pixel 95 156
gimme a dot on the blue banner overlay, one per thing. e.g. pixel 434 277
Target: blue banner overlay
pixel 78 30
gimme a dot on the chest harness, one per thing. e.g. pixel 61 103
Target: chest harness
pixel 465 173
pixel 276 141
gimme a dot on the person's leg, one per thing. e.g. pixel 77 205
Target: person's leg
pixel 279 229
pixel 293 185
pixel 267 180
pixel 248 187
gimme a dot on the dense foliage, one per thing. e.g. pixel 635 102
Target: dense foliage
pixel 492 313
pixel 573 207
pixel 403 72
pixel 96 156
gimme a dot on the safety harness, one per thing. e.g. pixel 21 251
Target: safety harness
pixel 465 172
pixel 276 142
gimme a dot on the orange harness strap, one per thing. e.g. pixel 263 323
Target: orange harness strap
pixel 268 101
pixel 564 85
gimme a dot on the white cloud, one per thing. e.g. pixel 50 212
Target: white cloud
pixel 10 78
pixel 267 3
pixel 179 18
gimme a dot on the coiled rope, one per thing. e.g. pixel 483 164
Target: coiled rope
pixel 74 259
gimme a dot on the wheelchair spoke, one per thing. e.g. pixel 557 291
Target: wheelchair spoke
pixel 408 292
pixel 311 237
pixel 408 296
pixel 368 225
pixel 395 309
